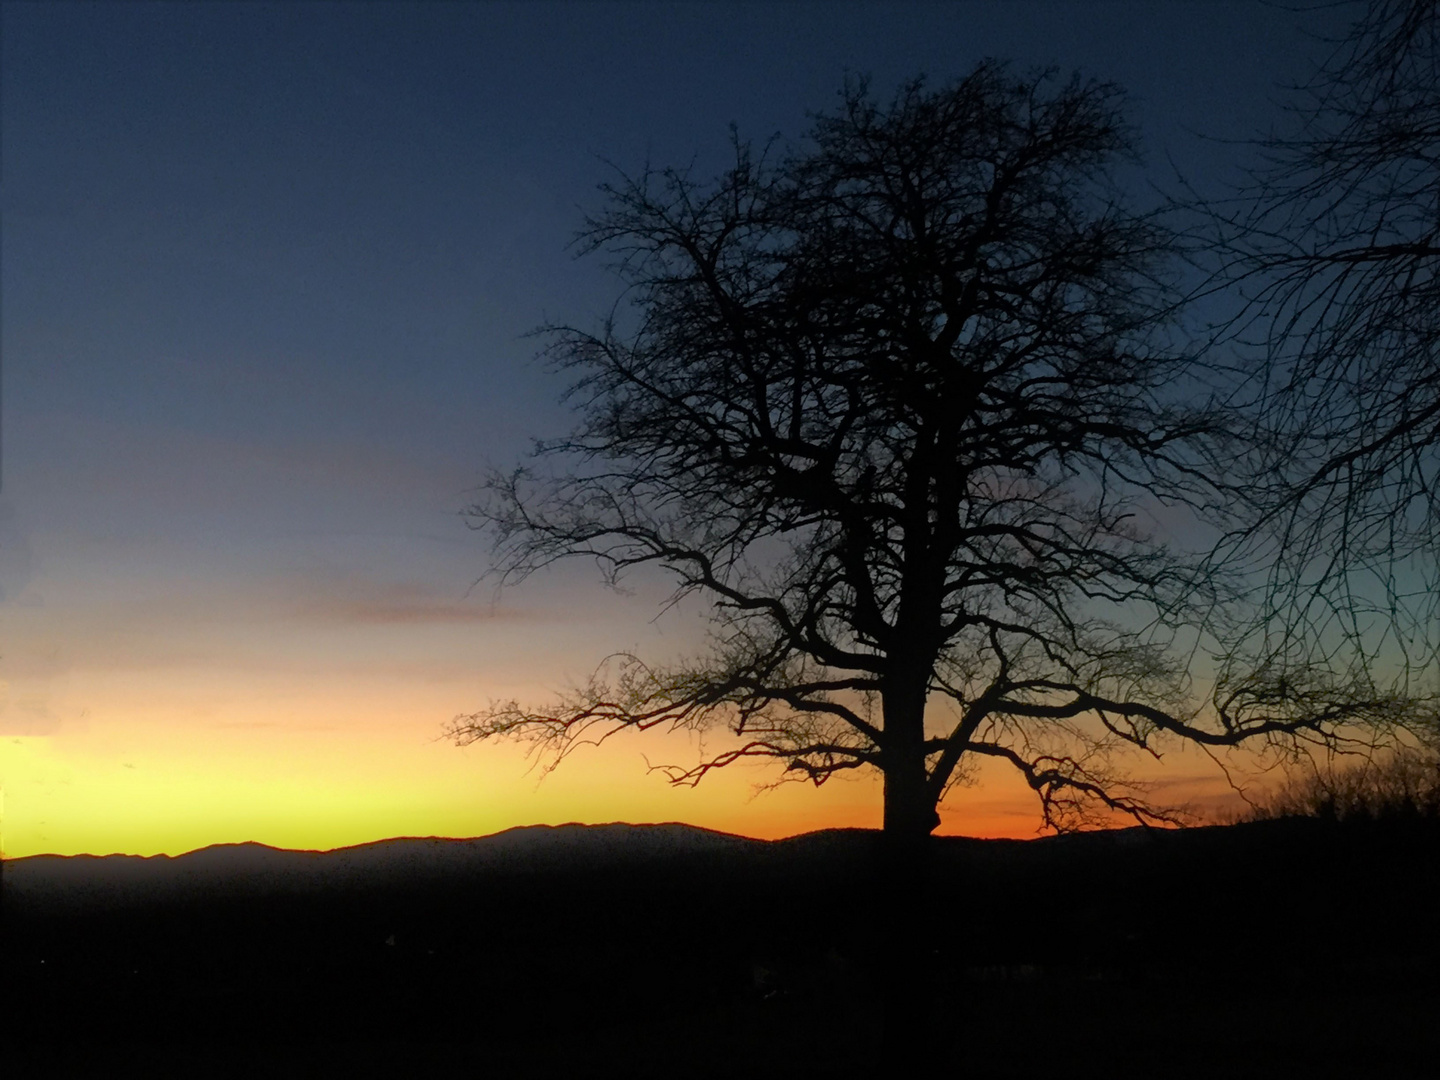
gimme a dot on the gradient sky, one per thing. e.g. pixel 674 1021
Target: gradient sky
pixel 266 275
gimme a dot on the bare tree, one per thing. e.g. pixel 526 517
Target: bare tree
pixel 896 405
pixel 1335 251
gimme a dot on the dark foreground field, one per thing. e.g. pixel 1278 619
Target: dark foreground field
pixel 1268 950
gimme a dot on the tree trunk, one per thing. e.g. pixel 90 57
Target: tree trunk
pixel 910 813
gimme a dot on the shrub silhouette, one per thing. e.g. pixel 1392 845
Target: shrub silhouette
pixel 1405 784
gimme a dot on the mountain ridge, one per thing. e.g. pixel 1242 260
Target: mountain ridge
pixel 250 868
pixel 86 880
pixel 527 829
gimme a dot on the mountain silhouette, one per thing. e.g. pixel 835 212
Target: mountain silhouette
pixel 88 881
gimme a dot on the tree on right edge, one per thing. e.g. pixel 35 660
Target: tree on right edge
pixel 1333 251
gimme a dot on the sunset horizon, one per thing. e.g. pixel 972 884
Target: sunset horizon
pixel 269 273
pixel 717 538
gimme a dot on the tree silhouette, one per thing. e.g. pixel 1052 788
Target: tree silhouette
pixel 897 405
pixel 1335 251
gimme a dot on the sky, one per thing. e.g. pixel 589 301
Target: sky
pixel 268 273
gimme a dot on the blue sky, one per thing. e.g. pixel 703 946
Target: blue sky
pixel 267 272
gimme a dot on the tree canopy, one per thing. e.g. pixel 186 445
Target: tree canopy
pixel 904 404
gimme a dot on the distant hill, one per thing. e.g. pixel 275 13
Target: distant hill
pixel 83 881
pixel 1297 854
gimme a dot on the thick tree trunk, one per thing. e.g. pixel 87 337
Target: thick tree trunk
pixel 910 813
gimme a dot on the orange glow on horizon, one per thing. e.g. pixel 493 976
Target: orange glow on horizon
pixel 170 790
pixel 177 759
